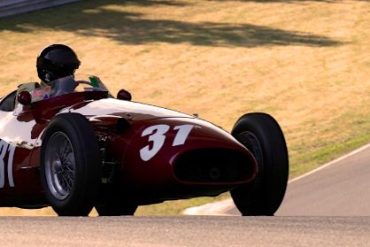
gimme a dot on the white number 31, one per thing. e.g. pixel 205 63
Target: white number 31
pixel 157 136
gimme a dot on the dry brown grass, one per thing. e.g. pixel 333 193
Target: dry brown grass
pixel 305 62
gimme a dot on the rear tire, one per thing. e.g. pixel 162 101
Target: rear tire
pixel 70 165
pixel 262 135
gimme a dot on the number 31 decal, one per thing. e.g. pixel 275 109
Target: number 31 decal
pixel 157 135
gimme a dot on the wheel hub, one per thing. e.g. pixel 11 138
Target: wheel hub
pixel 60 166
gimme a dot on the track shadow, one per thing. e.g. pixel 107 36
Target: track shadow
pixel 92 19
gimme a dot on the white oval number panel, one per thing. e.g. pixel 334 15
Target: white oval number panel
pixel 157 137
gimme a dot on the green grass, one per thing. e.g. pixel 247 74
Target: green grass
pixel 304 62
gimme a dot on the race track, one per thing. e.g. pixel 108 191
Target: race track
pixel 215 231
pixel 341 188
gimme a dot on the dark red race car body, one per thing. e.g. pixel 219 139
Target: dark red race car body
pixel 152 154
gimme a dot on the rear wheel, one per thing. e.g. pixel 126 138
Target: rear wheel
pixel 70 164
pixel 262 135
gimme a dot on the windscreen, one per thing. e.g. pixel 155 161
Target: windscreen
pixel 72 84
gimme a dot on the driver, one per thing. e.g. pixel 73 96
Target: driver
pixel 56 64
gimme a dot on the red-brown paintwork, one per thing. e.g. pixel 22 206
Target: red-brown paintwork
pixel 24 126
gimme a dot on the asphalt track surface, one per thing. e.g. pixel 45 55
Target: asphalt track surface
pixel 185 231
pixel 341 189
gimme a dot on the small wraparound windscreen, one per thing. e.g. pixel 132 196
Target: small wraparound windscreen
pixel 65 85
pixel 71 84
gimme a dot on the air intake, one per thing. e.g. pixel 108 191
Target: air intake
pixel 214 166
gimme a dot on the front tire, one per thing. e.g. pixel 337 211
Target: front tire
pixel 262 135
pixel 70 163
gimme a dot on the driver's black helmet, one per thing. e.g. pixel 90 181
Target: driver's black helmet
pixel 56 61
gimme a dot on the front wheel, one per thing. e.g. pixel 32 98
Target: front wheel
pixel 70 164
pixel 262 135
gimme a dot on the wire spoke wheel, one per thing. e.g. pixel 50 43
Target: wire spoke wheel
pixel 70 165
pixel 60 165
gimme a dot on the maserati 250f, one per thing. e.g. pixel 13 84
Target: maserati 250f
pixel 83 148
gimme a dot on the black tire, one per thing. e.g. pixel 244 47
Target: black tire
pixel 70 165
pixel 116 206
pixel 262 135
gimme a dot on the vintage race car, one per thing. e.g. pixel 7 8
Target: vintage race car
pixel 82 148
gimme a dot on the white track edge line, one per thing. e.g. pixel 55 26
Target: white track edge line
pixel 356 151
